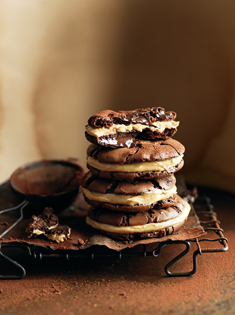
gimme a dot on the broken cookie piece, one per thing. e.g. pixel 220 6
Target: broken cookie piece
pixel 59 234
pixel 42 223
pixel 47 224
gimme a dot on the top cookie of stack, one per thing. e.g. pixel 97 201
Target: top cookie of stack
pixel 118 129
pixel 131 184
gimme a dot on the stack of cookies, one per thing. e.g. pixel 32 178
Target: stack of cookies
pixel 131 184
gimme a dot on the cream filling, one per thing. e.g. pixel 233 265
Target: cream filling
pixel 150 227
pixel 57 238
pixel 147 198
pixel 158 166
pixel 36 232
pixel 158 126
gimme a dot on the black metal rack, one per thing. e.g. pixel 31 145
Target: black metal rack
pixel 207 217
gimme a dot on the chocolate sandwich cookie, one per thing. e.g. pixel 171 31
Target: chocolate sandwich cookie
pixel 130 226
pixel 149 159
pixel 42 223
pixel 122 128
pixel 132 196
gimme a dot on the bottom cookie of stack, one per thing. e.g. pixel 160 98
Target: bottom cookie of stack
pixel 140 225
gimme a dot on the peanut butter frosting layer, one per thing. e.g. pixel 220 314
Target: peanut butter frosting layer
pixel 130 176
pixel 146 199
pixel 141 222
pixel 156 166
pixel 159 126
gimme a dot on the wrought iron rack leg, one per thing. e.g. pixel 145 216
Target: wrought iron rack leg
pixel 22 273
pixel 21 207
pixel 178 257
pixel 21 269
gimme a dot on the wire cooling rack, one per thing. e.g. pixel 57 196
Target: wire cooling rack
pixel 208 220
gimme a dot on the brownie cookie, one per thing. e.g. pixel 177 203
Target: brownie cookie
pixel 121 128
pixel 152 223
pixel 149 159
pixel 132 196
